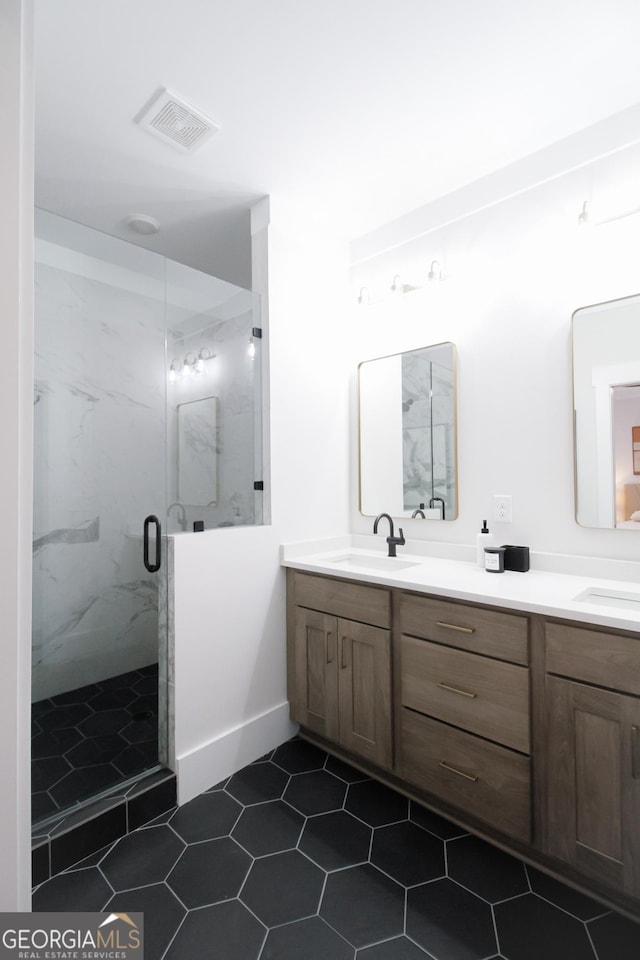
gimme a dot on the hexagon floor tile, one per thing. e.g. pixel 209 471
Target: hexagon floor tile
pixel 261 868
pixel 93 738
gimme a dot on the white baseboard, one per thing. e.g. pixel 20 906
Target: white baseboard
pixel 210 763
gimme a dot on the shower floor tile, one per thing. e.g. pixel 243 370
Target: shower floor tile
pixel 93 738
pixel 239 870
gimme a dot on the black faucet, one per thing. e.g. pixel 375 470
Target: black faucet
pixel 439 500
pixel 391 540
pixel 418 513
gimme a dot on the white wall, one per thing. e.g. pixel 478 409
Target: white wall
pixel 16 386
pixel 230 637
pixel 516 272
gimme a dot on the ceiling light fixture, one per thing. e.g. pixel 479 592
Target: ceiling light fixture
pixel 143 224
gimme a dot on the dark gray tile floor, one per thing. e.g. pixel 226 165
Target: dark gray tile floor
pixel 300 857
pixel 90 739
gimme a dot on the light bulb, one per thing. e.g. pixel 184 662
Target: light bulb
pixel 251 350
pixel 173 376
pixel 200 365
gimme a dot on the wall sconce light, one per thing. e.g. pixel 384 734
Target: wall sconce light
pixel 398 287
pixel 435 271
pixel 203 355
pixel 583 216
pixel 364 298
pixel 173 375
pixel 189 365
pixel 605 213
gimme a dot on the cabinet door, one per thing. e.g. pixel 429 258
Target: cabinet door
pixel 364 690
pixel 593 805
pixel 314 699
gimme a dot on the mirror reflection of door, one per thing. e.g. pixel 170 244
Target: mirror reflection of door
pixel 606 394
pixel 625 413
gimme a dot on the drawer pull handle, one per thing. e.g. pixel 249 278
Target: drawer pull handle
pixel 460 773
pixel 463 693
pixel 455 626
pixel 634 752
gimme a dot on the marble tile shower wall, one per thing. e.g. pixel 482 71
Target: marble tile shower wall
pixel 428 433
pixel 99 470
pixel 229 377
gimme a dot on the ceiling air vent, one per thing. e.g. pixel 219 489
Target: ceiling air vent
pixel 176 122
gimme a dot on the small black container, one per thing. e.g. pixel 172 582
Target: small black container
pixel 516 558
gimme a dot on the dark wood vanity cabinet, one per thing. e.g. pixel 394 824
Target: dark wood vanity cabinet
pixel 465 727
pixel 593 754
pixel 525 730
pixel 340 665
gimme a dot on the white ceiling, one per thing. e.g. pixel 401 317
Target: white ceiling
pixel 356 111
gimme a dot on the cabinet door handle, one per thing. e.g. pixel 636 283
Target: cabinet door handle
pixel 455 626
pixel 460 773
pixel 343 644
pixel 463 693
pixel 331 647
pixel 635 764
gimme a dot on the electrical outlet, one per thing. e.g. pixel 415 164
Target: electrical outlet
pixel 502 509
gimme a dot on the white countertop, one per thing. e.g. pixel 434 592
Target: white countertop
pixel 453 573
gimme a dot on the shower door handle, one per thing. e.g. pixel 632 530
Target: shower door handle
pixel 152 567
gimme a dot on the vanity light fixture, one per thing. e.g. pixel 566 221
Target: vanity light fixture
pixel 435 271
pixel 604 213
pixel 398 287
pixel 191 365
pixel 204 355
pixel 583 216
pixel 364 298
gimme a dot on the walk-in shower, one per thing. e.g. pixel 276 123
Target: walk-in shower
pixel 146 425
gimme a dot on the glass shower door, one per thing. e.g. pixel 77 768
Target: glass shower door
pixel 100 469
pixel 214 402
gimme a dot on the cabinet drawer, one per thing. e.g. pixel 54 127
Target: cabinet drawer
pixel 485 780
pixel 595 657
pixel 487 697
pixel 494 634
pixel 351 600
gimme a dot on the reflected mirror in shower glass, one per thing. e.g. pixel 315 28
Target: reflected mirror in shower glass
pixel 408 457
pixel 197 467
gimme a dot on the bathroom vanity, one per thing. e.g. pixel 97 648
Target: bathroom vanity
pixel 497 704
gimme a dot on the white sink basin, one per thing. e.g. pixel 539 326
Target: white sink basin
pixel 360 560
pixel 610 598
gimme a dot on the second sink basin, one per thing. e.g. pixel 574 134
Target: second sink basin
pixel 610 598
pixel 388 564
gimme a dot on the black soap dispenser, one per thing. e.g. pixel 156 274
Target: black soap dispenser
pixel 484 539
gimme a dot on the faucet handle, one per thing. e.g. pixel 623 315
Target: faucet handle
pixel 401 539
